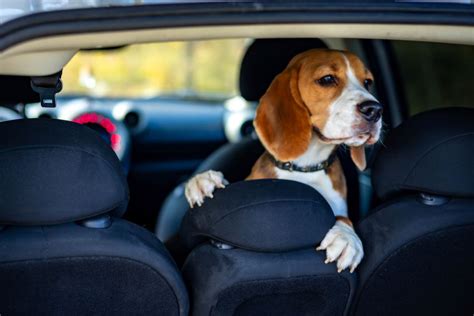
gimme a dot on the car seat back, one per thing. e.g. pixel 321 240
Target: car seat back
pixel 418 243
pixel 63 247
pixel 253 253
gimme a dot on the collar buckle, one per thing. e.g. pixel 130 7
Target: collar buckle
pixel 288 166
pixel 324 164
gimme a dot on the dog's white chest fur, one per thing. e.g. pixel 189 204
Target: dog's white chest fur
pixel 319 180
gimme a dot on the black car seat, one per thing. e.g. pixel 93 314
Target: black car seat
pixel 63 248
pixel 263 60
pixel 253 253
pixel 235 160
pixel 419 244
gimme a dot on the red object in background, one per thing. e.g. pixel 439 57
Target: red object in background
pixel 105 123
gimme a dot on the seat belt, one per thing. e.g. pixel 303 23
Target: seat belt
pixel 47 87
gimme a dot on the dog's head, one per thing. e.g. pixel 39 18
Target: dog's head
pixel 322 92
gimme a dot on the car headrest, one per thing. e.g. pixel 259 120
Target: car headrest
pixel 432 152
pixel 17 89
pixel 260 215
pixel 54 172
pixel 266 58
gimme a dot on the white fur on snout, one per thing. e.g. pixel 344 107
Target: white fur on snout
pixel 342 244
pixel 378 127
pixel 203 185
pixel 343 114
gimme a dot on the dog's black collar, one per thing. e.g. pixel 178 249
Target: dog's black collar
pixel 290 166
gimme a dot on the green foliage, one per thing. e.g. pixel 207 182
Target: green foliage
pixel 199 68
pixel 436 75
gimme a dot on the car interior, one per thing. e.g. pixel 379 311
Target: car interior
pixel 93 215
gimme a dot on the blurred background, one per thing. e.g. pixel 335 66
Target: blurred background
pixel 193 69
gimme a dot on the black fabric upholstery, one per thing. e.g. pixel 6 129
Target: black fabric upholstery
pixel 418 247
pixel 266 58
pixel 75 281
pixel 306 295
pixel 241 282
pixel 261 215
pixel 418 259
pixel 54 171
pixel 246 152
pixel 273 269
pixel 71 269
pixel 17 89
pixel 431 152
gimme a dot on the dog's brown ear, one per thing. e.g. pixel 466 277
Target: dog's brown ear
pixel 358 157
pixel 282 121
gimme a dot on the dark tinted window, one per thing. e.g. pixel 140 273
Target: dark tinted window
pixel 436 75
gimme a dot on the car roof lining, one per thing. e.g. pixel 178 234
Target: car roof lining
pixel 50 54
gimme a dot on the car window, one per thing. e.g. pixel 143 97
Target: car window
pixel 193 70
pixel 435 75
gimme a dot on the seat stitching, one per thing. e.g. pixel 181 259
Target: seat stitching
pixel 264 202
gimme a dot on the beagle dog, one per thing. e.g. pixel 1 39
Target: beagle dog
pixel 320 101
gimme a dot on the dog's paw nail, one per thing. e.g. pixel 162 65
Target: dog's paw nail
pixel 353 267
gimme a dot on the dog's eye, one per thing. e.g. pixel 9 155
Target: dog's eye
pixel 328 80
pixel 367 83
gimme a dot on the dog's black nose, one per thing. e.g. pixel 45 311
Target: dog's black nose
pixel 370 110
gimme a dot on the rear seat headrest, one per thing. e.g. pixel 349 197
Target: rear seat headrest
pixel 266 58
pixel 432 152
pixel 260 215
pixel 54 171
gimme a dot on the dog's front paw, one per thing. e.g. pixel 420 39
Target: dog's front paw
pixel 202 185
pixel 342 244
